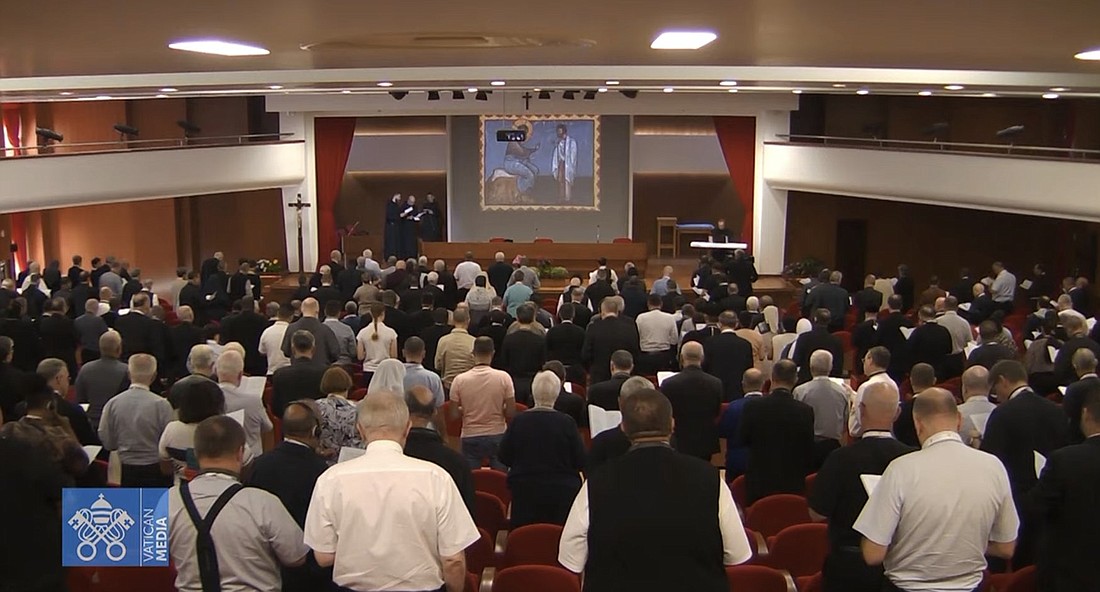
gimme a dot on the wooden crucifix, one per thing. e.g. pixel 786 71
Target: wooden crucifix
pixel 298 205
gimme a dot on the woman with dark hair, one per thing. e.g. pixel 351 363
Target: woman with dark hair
pixel 201 399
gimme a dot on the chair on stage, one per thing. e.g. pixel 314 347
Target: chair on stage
pixel 542 239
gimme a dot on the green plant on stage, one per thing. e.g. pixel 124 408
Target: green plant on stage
pixel 808 267
pixel 547 270
pixel 269 266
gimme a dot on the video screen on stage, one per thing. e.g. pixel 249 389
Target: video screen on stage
pixel 556 168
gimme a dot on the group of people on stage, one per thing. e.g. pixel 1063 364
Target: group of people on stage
pixel 406 221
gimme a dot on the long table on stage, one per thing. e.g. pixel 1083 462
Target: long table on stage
pixel 576 257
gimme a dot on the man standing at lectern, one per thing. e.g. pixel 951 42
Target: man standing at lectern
pixel 721 234
pixel 564 164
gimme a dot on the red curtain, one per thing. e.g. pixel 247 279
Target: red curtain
pixel 332 138
pixel 737 136
pixel 11 117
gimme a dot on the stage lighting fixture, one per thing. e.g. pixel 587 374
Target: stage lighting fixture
pixel 482 95
pixel 569 95
pixel 125 130
pixel 544 95
pixel 590 95
pixel 399 94
pixel 456 95
pixel 433 95
pixel 630 94
pixel 189 129
pixel 48 135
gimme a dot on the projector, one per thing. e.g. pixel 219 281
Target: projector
pixel 512 135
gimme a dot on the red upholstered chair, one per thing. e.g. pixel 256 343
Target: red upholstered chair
pixel 454 426
pixel 534 544
pixel 357 394
pixel 756 578
pixel 520 408
pixel 536 578
pixel 481 554
pixel 493 482
pixel 490 513
pixel 810 483
pixel 721 412
pixel 622 239
pixel 1022 580
pixel 473 583
pixel 579 390
pixel 814 583
pixel 757 543
pixel 146 579
pixel 542 239
pixel 954 386
pixel 740 494
pixel 773 513
pixel 798 549
pixel 845 338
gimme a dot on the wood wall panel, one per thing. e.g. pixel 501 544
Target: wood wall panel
pixel 698 198
pixel 156 118
pixel 84 121
pixel 363 197
pixel 245 224
pixel 219 116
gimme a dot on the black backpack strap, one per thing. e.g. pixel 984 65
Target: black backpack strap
pixel 209 574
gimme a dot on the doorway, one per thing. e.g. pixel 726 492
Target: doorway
pixel 851 252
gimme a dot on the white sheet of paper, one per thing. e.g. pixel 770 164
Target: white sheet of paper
pixel 253 385
pixel 907 332
pixel 970 347
pixel 804 281
pixel 349 453
pixel 601 420
pixel 238 415
pixel 893 281
pixel 663 376
pixel 1062 390
pixel 1027 343
pixel 85 406
pixel 1053 353
pixel 1090 322
pixel 1026 284
pixel 869 482
pixel 1040 462
pixel 838 380
pixel 964 306
pixel 92 451
pixel 568 386
pixel 980 420
pixel 987 281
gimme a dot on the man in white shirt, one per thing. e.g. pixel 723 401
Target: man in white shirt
pixel 132 423
pixel 936 513
pixel 613 278
pixel 657 338
pixel 257 425
pixel 271 340
pixel 1003 289
pixel 386 521
pixel 975 393
pixel 465 273
pixel 875 363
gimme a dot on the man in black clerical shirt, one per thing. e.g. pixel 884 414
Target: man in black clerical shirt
pixel 614 443
pixel 839 494
pixel 605 393
pixel 565 341
pixel 523 353
pixel 425 443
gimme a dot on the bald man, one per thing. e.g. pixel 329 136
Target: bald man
pixel 937 512
pixel 326 348
pixel 1084 365
pixel 737 457
pixel 696 399
pixel 839 496
pixel 975 394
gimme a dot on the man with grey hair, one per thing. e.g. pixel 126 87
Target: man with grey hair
pixel 132 424
pixel 326 347
pixel 419 524
pixel 1084 366
pixel 975 395
pixel 611 444
pixel 545 456
pixel 696 399
pixel 100 380
pixel 257 425
pixel 499 273
pixel 829 399
pixel 465 273
pixel 200 361
pixel 833 297
pixel 89 327
pixel 182 338
pixel 56 374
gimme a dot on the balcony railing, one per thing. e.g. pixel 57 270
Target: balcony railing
pixel 62 148
pixel 1005 149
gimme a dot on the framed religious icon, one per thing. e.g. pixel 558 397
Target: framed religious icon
pixel 556 167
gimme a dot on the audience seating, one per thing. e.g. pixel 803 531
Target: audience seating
pixel 113 579
pixel 954 386
pixel 534 544
pixel 357 394
pixel 773 513
pixel 810 479
pixel 454 426
pixel 481 554
pixel 757 578
pixel 535 578
pixel 757 543
pixel 1022 580
pixel 814 583
pixel 473 583
pixel 579 390
pixel 495 483
pixel 490 513
pixel 740 495
pixel 798 549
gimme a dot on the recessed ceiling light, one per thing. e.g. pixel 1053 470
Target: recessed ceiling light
pixel 863 91
pixel 683 39
pixel 275 87
pixel 733 90
pixel 612 83
pixel 839 85
pixel 497 83
pixel 385 84
pixel 345 92
pixel 1059 89
pixel 797 91
pixel 167 89
pixel 1050 96
pixel 601 89
pixel 1088 54
pixel 218 47
pixel 65 93
pixel 471 89
pixel 925 93
pixel 954 87
pixel 988 95
pixel 669 89
pixel 161 96
pixel 728 83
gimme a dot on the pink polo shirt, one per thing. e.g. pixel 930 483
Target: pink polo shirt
pixel 482 392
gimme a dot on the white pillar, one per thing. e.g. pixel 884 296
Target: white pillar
pixel 769 216
pixel 301 125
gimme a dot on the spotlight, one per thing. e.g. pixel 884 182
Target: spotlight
pixel 48 135
pixel 125 130
pixel 544 95
pixel 590 95
pixel 457 95
pixel 569 95
pixel 630 94
pixel 433 95
pixel 482 95
pixel 399 94
pixel 189 129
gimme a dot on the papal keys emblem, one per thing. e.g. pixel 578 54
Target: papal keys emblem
pixel 101 523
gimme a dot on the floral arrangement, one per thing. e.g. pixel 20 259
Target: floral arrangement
pixel 547 270
pixel 269 266
pixel 808 267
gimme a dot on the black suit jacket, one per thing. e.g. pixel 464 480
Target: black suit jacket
pixel 191 295
pixel 727 356
pixel 59 339
pixel 36 300
pixel 289 471
pixel 427 444
pixel 986 355
pixel 891 337
pixel 1019 427
pixel 832 298
pixel 931 344
pixel 1063 362
pixel 142 335
pixel 183 337
pixel 246 328
pixel 27 345
pixel 980 309
pixel 813 340
pixel 864 337
pixel 1072 403
pixel 597 291
pixel 499 273
pixel 80 296
pixel 606 393
pixel 779 434
pixel 1065 501
pixel 696 399
pixel 208 268
pixel 300 380
pixel 603 338
pixel 867 299
pixel 13 389
pixel 130 288
pixel 582 315
pixel 905 288
pixel 564 343
pixel 431 336
pixel 74 275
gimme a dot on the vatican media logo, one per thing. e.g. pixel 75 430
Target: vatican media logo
pixel 115 527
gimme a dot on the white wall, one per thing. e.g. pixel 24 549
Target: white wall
pixel 398 153
pixel 700 154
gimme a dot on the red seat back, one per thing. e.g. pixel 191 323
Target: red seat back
pixel 357 394
pixel 1022 580
pixel 534 544
pixel 845 338
pixel 473 582
pixel 536 578
pixel 810 483
pixel 481 554
pixel 740 494
pixel 493 482
pixel 798 549
pixel 490 513
pixel 110 579
pixel 755 578
pixel 773 513
pixel 454 426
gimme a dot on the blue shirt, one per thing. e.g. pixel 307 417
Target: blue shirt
pixel 737 458
pixel 417 375
pixel 515 295
pixel 660 287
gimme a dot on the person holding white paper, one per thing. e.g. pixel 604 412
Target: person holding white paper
pixel 256 422
pixel 1084 364
pixel 936 513
pixel 975 392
